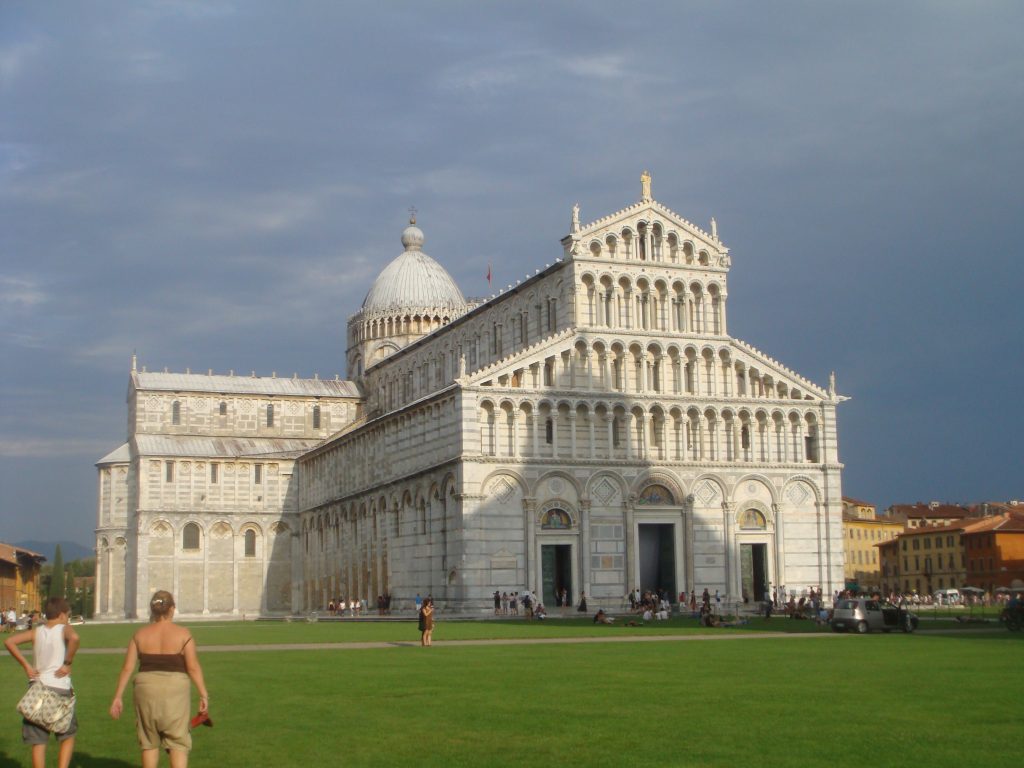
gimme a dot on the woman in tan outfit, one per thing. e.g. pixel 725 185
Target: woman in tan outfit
pixel 167 661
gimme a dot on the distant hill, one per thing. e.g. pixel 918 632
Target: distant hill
pixel 70 550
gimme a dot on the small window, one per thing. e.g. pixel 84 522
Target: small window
pixel 745 437
pixel 223 408
pixel 549 431
pixel 214 472
pixel 257 473
pixel 615 432
pixel 250 543
pixel 169 471
pixel 176 412
pixel 316 417
pixel 270 414
pixel 190 537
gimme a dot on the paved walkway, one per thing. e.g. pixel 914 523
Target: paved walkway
pixel 498 641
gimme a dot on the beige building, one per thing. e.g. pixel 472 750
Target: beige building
pixel 862 533
pixel 592 428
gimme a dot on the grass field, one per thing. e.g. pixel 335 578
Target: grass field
pixel 920 700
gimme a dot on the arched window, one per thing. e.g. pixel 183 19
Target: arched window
pixel 223 408
pixel 745 437
pixel 657 495
pixel 190 537
pixel 316 417
pixel 270 414
pixel 753 519
pixel 556 519
pixel 250 543
pixel 176 412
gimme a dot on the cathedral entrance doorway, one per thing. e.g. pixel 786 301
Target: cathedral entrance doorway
pixel 754 571
pixel 658 558
pixel 556 573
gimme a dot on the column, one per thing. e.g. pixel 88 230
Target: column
pixel 530 529
pixel 554 432
pixel 572 433
pixel 589 358
pixel 585 547
pixel 234 575
pixel 590 429
pixel 780 547
pixel 629 435
pixel 642 440
pixel 732 574
pixel 631 563
pixel 688 541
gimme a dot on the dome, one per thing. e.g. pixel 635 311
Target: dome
pixel 413 280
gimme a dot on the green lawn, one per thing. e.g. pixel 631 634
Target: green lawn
pixel 918 700
pixel 255 633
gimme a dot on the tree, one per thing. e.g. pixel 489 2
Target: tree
pixel 57 580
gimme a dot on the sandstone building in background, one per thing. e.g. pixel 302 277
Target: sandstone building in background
pixel 593 428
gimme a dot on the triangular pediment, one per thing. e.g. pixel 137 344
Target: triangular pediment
pixel 628 221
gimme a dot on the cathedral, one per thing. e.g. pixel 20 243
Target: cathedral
pixel 593 428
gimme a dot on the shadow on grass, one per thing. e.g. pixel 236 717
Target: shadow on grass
pixel 95 761
pixel 80 759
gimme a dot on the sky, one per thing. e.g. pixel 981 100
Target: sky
pixel 216 184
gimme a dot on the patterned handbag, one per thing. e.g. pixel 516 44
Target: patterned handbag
pixel 47 707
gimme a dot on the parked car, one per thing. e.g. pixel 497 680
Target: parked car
pixel 862 615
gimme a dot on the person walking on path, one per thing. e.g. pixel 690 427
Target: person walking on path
pixel 167 661
pixel 54 645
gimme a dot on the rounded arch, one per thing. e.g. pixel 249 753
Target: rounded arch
pixel 713 480
pixel 755 516
pixel 557 505
pixel 567 477
pixel 804 479
pixel 756 478
pixel 614 478
pixel 662 478
pixel 508 474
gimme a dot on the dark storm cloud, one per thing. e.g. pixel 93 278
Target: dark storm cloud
pixel 217 184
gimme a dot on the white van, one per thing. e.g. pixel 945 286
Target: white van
pixel 947 596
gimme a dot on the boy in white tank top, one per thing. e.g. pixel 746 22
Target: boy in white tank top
pixel 54 645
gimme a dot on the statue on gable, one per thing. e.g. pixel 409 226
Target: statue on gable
pixel 575 218
pixel 645 186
